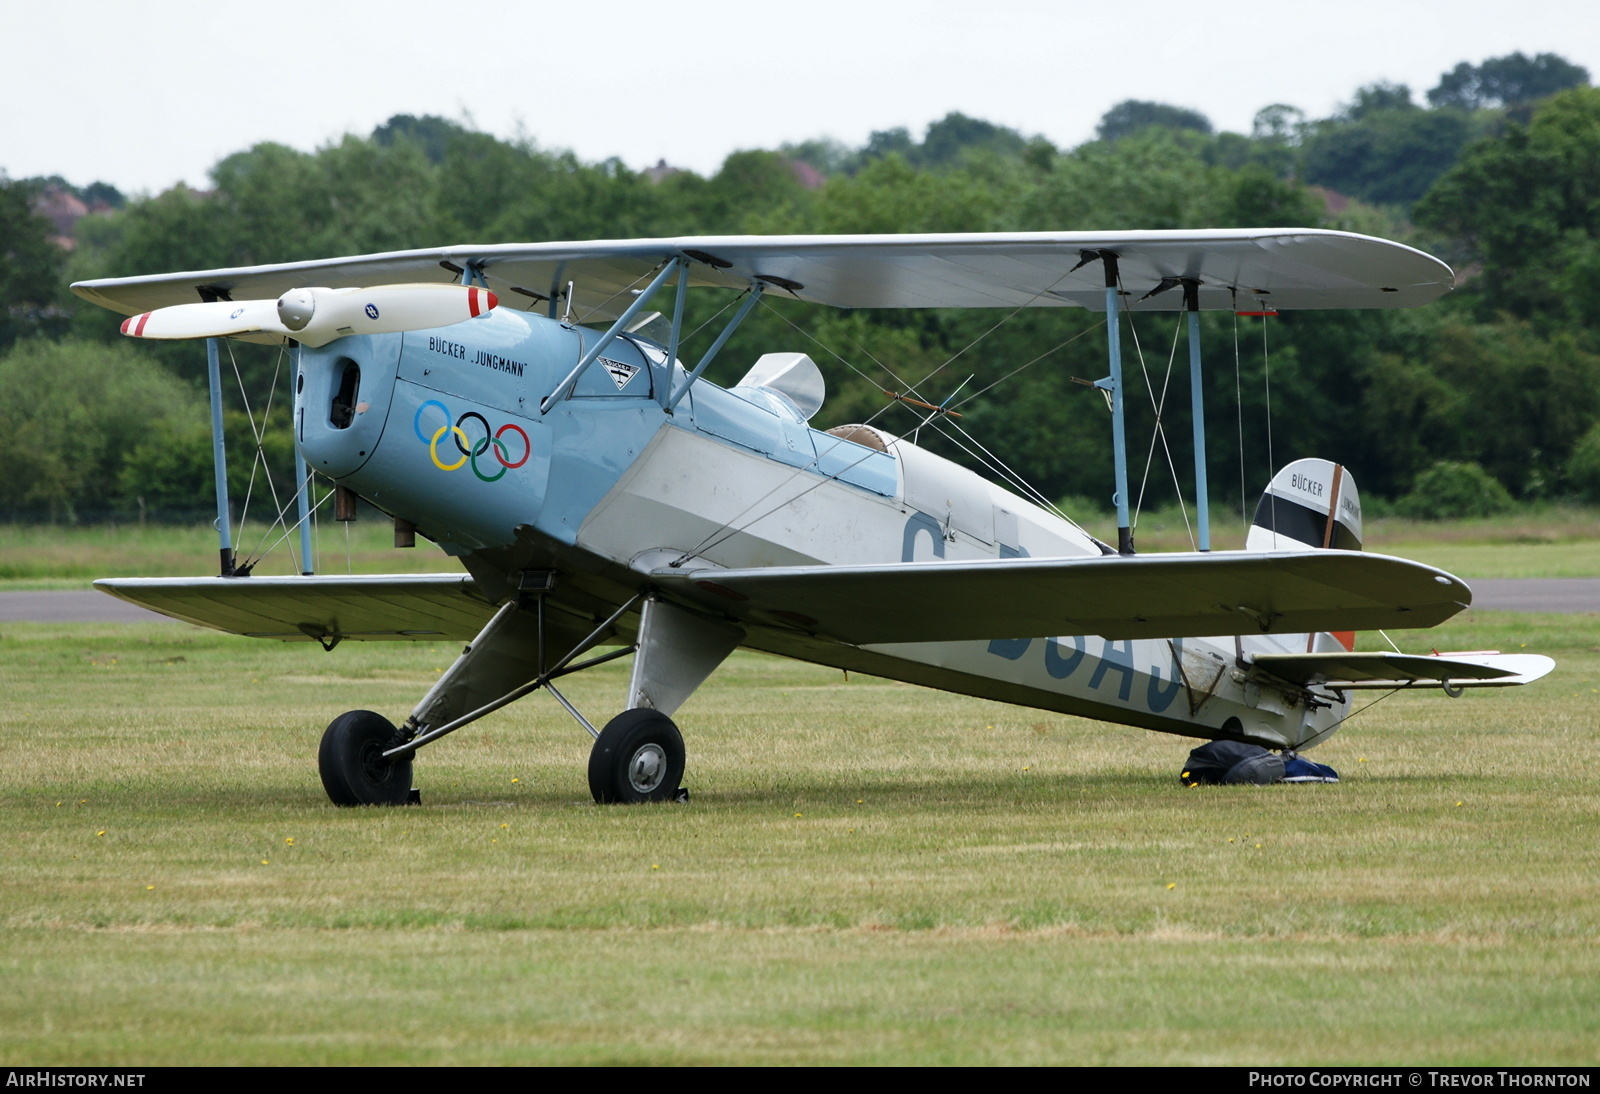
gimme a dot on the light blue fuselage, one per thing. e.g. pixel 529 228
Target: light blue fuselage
pixel 443 428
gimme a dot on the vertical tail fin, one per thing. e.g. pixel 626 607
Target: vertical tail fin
pixel 1310 503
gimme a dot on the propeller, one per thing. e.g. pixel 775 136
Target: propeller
pixel 315 317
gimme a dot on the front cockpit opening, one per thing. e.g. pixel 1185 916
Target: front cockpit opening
pixel 342 409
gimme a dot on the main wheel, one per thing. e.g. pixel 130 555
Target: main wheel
pixel 638 757
pixel 351 761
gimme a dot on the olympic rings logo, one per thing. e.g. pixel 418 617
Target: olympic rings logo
pixel 469 448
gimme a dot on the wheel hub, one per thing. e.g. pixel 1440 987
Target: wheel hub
pixel 647 768
pixel 375 765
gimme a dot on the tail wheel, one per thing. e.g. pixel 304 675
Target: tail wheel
pixel 354 771
pixel 638 757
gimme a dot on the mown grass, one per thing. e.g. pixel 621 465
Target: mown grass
pixel 45 556
pixel 1534 541
pixel 1542 541
pixel 866 873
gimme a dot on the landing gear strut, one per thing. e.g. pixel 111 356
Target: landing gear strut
pixel 638 757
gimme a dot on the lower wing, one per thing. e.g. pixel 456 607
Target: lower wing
pixel 321 609
pixel 1138 596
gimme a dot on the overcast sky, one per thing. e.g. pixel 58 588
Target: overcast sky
pixel 144 95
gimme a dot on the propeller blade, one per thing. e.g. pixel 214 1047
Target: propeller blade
pixel 215 320
pixel 317 316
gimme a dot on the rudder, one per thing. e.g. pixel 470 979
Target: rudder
pixel 1310 503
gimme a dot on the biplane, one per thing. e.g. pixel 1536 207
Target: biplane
pixel 605 499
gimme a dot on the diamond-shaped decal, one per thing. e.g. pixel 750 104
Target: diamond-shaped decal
pixel 621 372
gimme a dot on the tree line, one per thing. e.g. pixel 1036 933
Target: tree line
pixel 1497 170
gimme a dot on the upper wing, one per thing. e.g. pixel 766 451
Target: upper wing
pixel 1395 670
pixel 1140 596
pixel 324 609
pixel 1238 269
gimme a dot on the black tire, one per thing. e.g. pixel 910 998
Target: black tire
pixel 638 757
pixel 351 761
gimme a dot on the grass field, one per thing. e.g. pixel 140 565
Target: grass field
pixel 1546 541
pixel 866 873
pixel 44 556
pixel 1553 541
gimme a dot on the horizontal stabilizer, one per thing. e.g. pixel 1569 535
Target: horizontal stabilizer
pixel 326 609
pixel 316 316
pixel 1398 670
pixel 1140 596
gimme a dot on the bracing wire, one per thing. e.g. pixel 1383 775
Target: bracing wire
pixel 913 388
pixel 625 289
pixel 982 455
pixel 942 405
pixel 259 461
pixel 1160 432
pixel 244 506
pixel 830 351
pixel 1028 364
pixel 1364 709
pixel 1008 317
pixel 1238 402
pixel 290 529
pixel 999 467
pixel 732 300
pixel 986 458
pixel 733 526
pixel 1266 380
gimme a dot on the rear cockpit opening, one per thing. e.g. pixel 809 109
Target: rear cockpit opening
pixel 342 408
pixel 864 435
